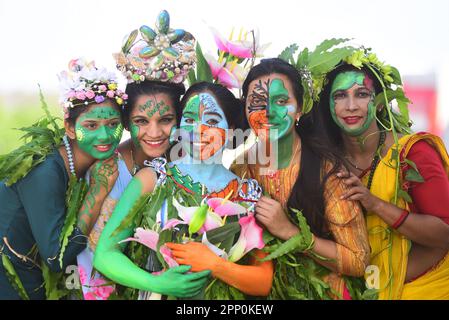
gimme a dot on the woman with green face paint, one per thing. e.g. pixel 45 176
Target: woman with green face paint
pixel 406 204
pixel 300 174
pixel 150 115
pixel 35 232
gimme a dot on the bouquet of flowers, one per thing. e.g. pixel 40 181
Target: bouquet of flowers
pixel 172 213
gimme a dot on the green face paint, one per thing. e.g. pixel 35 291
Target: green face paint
pixel 134 130
pixel 343 82
pixel 151 107
pixel 98 140
pixel 278 113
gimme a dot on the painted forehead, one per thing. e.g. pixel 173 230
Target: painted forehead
pixel 100 113
pixel 203 103
pixel 347 79
pixel 268 87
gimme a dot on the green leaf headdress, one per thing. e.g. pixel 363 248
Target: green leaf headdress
pixel 392 90
pixel 315 65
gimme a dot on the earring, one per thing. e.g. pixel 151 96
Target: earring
pixel 297 121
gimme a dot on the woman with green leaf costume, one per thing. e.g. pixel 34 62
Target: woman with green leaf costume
pixel 320 240
pixel 399 177
pixel 46 207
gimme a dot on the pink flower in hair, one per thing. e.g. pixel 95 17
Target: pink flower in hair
pixel 110 94
pixel 102 88
pixel 90 94
pixel 71 94
pixel 80 95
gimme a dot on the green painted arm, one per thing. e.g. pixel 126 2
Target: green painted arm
pixel 113 263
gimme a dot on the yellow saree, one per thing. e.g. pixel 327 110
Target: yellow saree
pixel 389 248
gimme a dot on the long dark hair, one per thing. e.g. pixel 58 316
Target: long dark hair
pixel 307 194
pixel 322 112
pixel 134 90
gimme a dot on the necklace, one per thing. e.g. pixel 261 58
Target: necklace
pixel 374 162
pixel 376 159
pixel 69 154
pixel 135 166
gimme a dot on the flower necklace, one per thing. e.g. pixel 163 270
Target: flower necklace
pixel 69 155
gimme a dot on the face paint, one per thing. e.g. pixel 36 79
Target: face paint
pixel 344 82
pixel 96 138
pixel 269 112
pixel 151 120
pixel 205 123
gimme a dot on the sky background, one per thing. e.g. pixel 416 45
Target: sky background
pixel 40 37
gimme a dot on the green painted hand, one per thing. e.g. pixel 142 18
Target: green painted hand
pixel 103 174
pixel 174 282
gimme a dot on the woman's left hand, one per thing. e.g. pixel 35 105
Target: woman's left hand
pixel 194 254
pixel 272 216
pixel 357 191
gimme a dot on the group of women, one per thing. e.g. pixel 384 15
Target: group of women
pixel 372 194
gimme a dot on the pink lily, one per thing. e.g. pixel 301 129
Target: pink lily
pixel 250 238
pixel 231 75
pixel 215 66
pixel 225 207
pixel 218 208
pixel 149 238
pixel 213 220
pixel 240 48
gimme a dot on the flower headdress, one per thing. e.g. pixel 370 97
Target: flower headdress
pixel 83 84
pixel 160 54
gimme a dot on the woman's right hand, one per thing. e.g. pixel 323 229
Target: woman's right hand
pixel 175 282
pixel 103 174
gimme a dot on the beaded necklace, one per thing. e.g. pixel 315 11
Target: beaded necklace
pixel 69 155
pixel 376 159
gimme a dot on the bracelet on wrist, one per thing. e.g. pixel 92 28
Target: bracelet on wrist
pixel 404 215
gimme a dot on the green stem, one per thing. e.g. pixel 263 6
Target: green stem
pixel 392 129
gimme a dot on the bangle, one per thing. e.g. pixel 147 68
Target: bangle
pixel 401 219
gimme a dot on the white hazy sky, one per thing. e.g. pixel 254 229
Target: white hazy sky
pixel 39 37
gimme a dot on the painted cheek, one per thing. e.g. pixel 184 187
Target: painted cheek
pixel 135 134
pixel 214 139
pixel 257 120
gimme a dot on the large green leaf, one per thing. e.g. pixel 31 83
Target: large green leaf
pixel 13 277
pixel 203 72
pixel 75 194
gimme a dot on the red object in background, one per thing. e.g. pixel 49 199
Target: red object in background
pixel 423 110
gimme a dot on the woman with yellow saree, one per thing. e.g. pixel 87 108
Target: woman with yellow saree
pixel 399 177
